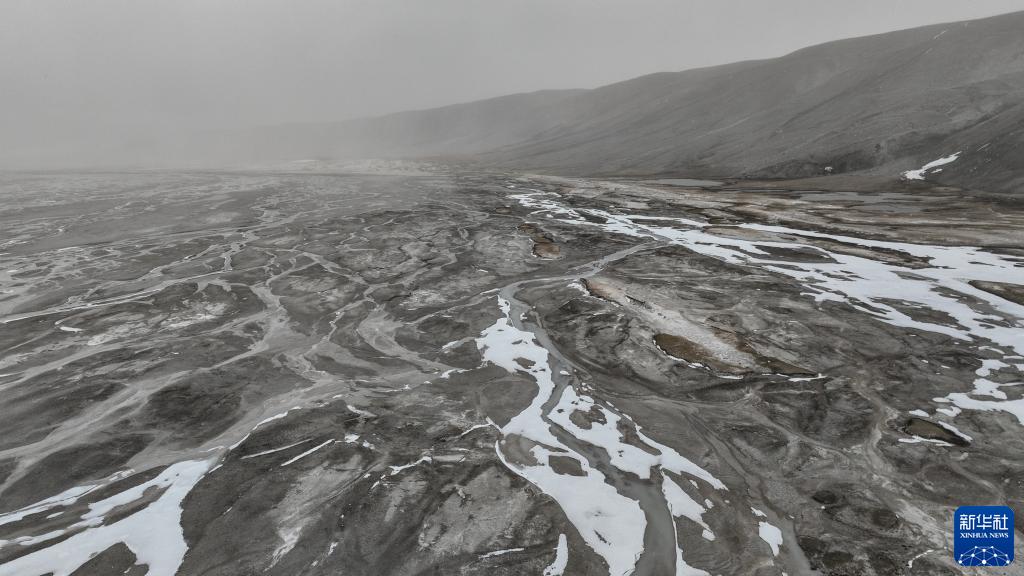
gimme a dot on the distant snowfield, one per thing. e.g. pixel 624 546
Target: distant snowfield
pixel 933 166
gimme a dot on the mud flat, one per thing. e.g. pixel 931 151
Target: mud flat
pixel 433 371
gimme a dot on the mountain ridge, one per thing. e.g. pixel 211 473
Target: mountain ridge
pixel 876 105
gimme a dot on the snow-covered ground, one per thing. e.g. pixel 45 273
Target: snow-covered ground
pixel 611 523
pixel 880 289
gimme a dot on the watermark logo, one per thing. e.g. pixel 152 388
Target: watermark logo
pixel 983 535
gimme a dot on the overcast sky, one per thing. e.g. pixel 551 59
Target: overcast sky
pixel 70 70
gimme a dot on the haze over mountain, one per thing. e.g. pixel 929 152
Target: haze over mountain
pixel 185 95
pixel 878 105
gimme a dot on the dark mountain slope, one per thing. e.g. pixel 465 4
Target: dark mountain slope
pixel 879 105
pixel 887 102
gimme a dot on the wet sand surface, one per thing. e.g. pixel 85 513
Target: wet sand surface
pixel 448 372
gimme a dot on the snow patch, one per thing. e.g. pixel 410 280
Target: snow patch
pixel 308 452
pixel 557 568
pixel 919 174
pixel 770 534
pixel 273 450
pixel 501 552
